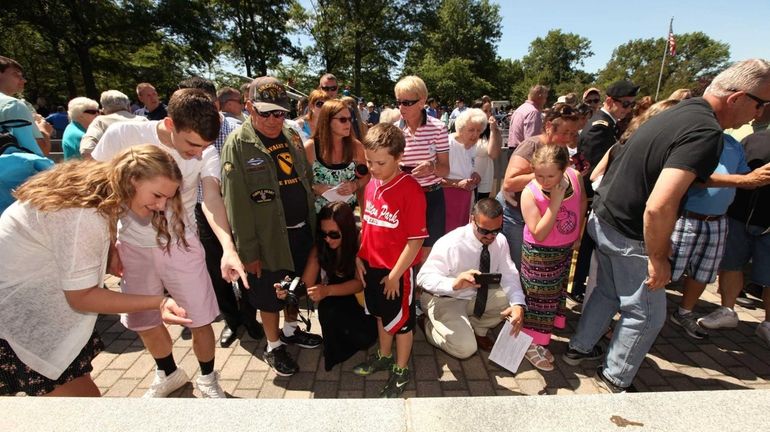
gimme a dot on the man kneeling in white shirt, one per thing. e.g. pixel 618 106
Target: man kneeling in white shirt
pixel 458 318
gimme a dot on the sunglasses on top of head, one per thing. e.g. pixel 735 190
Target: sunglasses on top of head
pixel 406 102
pixel 625 104
pixel 333 235
pixel 276 114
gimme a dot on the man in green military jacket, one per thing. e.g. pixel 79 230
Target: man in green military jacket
pixel 266 184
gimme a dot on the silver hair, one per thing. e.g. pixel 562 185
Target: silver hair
pixel 76 107
pixel 747 75
pixel 114 101
pixel 471 115
pixel 390 115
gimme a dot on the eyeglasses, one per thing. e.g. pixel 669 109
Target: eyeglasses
pixel 92 111
pixel 334 235
pixel 320 103
pixel 329 88
pixel 760 102
pixel 625 104
pixel 591 101
pixel 276 114
pixel 342 120
pixel 407 102
pixel 484 231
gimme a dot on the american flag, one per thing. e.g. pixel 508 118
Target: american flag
pixel 671 41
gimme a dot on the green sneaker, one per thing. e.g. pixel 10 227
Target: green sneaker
pixel 397 382
pixel 374 363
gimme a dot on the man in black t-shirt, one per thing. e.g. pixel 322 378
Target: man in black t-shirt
pixel 636 208
pixel 748 238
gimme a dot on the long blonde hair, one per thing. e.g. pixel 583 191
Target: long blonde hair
pixel 109 188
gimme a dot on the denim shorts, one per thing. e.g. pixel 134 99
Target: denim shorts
pixel 746 243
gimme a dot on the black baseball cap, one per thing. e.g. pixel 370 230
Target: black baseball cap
pixel 622 88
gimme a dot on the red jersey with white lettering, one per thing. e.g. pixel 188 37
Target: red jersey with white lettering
pixel 429 139
pixel 393 213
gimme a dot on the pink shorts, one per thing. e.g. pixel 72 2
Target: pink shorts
pixel 182 273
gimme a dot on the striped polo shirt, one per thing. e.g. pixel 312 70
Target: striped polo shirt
pixel 429 139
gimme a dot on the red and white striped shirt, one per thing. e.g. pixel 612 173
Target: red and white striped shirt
pixel 430 138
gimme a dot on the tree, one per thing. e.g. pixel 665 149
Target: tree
pixel 698 59
pixel 257 32
pixel 455 53
pixel 555 60
pixel 361 41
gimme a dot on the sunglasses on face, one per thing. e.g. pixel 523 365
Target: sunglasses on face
pixel 92 111
pixel 329 88
pixel 484 231
pixel 320 103
pixel 276 114
pixel 625 104
pixel 406 102
pixel 342 120
pixel 591 101
pixel 760 102
pixel 333 235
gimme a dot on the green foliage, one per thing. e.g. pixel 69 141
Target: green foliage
pixel 456 53
pixel 257 32
pixel 361 42
pixel 555 61
pixel 698 59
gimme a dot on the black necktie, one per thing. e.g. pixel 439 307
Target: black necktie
pixel 481 295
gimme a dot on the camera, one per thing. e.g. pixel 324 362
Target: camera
pixel 294 289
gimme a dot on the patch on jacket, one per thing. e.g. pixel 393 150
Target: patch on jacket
pixel 262 195
pixel 227 167
pixel 296 139
pixel 604 123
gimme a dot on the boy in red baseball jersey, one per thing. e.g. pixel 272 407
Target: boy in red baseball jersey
pixel 393 229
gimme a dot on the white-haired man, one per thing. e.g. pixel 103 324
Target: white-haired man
pixel 115 107
pixel 636 208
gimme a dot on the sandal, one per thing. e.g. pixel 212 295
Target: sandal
pixel 539 357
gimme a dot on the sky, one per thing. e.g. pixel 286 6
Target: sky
pixel 743 24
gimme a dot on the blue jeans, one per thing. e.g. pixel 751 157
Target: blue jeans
pixel 513 229
pixel 620 287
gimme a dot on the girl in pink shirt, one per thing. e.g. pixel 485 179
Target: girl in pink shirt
pixel 552 205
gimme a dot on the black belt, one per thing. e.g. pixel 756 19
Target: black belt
pixel 701 217
pixel 431 188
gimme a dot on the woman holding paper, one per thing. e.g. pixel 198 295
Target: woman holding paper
pixel 337 158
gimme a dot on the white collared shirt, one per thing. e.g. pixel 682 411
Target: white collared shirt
pixel 458 251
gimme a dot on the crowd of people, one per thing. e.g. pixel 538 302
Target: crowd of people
pixel 217 204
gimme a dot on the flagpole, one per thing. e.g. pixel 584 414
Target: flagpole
pixel 663 61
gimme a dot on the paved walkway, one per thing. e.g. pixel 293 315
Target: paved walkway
pixel 728 359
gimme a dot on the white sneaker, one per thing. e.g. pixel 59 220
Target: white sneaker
pixel 209 386
pixel 720 318
pixel 163 386
pixel 763 331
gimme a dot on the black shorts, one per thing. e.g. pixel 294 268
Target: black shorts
pixel 397 315
pixel 16 377
pixel 435 216
pixel 261 295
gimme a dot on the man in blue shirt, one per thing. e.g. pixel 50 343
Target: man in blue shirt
pixel 698 240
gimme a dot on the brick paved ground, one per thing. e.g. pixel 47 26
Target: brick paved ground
pixel 729 359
